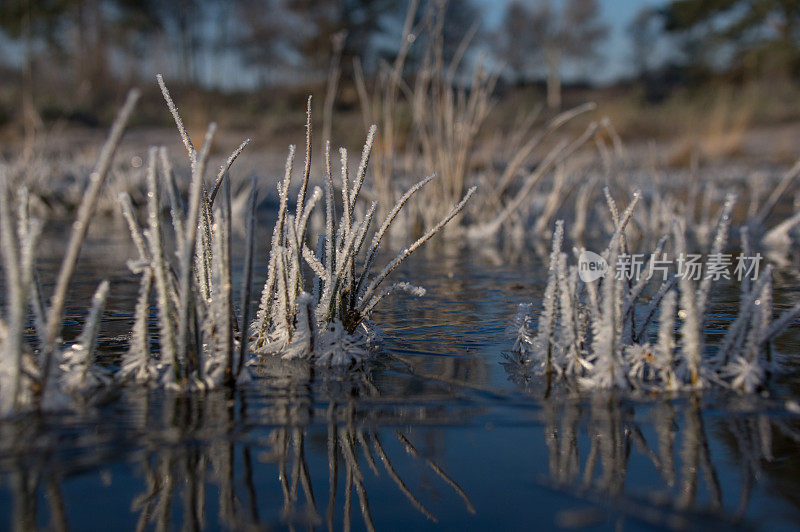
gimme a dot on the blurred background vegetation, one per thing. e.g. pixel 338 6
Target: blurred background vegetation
pixel 698 72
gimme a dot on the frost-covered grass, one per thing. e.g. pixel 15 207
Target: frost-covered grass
pixel 315 305
pixel 601 333
pixel 322 284
pixel 37 375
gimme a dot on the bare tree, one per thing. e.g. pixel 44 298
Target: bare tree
pixel 542 34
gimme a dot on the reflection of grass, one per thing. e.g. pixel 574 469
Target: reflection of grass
pixel 321 445
pixel 684 488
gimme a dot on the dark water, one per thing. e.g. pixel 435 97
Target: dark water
pixel 432 435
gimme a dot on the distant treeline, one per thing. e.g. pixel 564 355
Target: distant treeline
pixel 84 53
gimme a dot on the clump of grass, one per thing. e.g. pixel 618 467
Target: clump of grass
pixel 597 334
pixel 444 129
pixel 314 305
pixel 194 295
pixel 324 314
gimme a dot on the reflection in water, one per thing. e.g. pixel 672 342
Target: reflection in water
pixel 668 437
pixel 190 449
pixel 434 430
pixel 303 451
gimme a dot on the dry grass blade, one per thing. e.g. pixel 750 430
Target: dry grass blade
pixel 367 303
pixel 247 276
pixel 223 170
pixel 191 224
pixel 79 229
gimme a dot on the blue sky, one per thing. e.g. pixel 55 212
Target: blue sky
pixel 617 14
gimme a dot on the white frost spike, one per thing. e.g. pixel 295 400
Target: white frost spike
pixel 217 333
pixel 520 329
pixel 566 338
pixel 136 363
pixel 301 195
pixel 547 319
pixel 165 295
pixel 223 170
pixel 746 370
pixel 717 247
pixel 362 165
pixel 188 249
pixel 86 340
pixel 187 142
pixel 19 265
pixel 80 375
pixel 691 336
pixel 265 314
pixel 11 348
pixel 136 235
pixel 175 205
pixel 666 341
pixel 606 345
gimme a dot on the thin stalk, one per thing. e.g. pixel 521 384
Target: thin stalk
pixel 247 274
pixel 223 170
pixel 190 241
pixel 79 230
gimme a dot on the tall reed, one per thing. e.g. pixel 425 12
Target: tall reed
pixel 448 116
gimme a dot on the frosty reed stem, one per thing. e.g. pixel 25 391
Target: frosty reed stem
pixel 79 229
